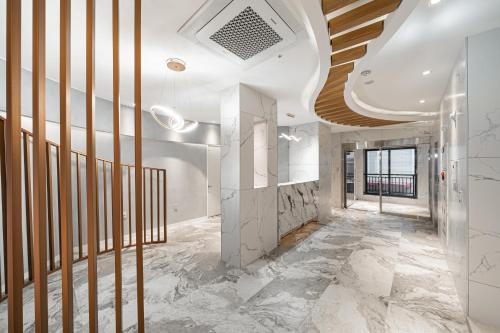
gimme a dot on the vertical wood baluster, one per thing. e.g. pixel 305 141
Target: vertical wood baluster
pixel 151 210
pixel 122 189
pixel 28 203
pixel 105 203
pixel 158 203
pixel 4 201
pixel 50 213
pixel 59 229
pixel 97 209
pixel 79 206
pixel 165 211
pixel 129 207
pixel 144 202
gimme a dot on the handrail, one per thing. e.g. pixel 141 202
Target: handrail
pixel 154 206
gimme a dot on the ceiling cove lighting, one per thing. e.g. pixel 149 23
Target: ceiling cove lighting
pixel 426 72
pixel 290 137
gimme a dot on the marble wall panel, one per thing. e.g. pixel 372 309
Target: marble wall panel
pixel 297 205
pixel 483 66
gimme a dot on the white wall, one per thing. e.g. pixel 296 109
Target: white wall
pixel 183 155
pixel 283 156
pixel 304 155
pixel 452 220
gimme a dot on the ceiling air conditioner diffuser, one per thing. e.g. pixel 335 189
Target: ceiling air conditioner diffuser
pixel 245 31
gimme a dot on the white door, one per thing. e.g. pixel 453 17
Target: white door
pixel 213 181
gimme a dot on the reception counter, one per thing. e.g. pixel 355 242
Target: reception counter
pixel 297 205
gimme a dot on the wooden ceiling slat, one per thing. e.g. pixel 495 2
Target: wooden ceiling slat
pixel 334 82
pixel 348 55
pixel 362 14
pixel 330 104
pixel 328 99
pixel 333 5
pixel 341 70
pixel 361 35
pixel 337 90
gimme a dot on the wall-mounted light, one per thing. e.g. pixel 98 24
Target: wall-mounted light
pixel 290 137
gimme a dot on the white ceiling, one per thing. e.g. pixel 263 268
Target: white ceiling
pixel 430 39
pixel 206 76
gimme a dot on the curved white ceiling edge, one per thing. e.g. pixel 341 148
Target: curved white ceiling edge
pixel 316 27
pixel 391 25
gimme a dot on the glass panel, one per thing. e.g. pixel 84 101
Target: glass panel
pixel 403 161
pixel 372 162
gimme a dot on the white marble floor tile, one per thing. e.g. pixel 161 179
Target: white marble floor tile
pixel 358 272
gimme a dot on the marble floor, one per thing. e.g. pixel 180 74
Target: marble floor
pixel 357 272
pixel 410 211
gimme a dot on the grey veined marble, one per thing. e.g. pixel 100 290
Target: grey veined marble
pixel 297 205
pixel 357 272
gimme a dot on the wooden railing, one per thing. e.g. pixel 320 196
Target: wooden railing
pixel 154 207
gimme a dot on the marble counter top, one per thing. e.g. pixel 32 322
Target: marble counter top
pixel 297 204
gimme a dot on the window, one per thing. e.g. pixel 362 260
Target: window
pixel 399 172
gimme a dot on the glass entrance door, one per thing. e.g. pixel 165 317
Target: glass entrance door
pixel 348 178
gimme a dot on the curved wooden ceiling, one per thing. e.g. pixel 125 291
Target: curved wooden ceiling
pixel 350 33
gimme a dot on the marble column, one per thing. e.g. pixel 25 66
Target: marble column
pixel 248 188
pixel 325 171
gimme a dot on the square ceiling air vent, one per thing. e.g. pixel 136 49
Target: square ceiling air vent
pixel 245 31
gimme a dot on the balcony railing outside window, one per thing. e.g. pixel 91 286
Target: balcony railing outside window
pixel 399 172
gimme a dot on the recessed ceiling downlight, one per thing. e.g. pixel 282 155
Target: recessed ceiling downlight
pixel 426 72
pixel 434 2
pixel 366 73
pixel 422 101
pixel 176 65
pixel 290 115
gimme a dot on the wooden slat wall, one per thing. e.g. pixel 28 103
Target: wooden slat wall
pixel 13 167
pixel 42 198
